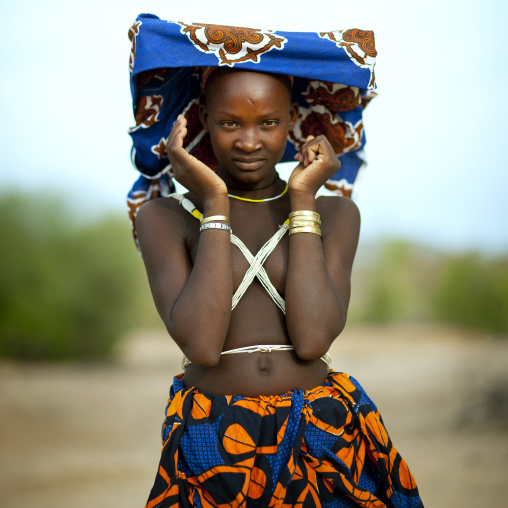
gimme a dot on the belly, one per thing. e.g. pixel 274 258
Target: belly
pixel 253 374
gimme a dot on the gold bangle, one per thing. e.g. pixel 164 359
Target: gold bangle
pixel 303 212
pixel 213 218
pixel 295 223
pixel 307 229
pixel 306 214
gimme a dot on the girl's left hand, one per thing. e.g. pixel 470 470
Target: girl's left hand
pixel 318 163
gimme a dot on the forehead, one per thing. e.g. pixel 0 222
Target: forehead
pixel 228 85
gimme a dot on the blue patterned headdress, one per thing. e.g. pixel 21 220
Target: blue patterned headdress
pixel 333 80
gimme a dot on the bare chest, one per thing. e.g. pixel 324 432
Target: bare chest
pixel 253 251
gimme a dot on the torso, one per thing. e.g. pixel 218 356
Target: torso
pixel 256 320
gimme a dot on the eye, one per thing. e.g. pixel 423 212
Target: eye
pixel 270 123
pixel 228 124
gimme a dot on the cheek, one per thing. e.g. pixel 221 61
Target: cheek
pixel 220 143
pixel 277 142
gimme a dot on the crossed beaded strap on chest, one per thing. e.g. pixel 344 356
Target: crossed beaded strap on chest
pixel 256 268
pixel 256 262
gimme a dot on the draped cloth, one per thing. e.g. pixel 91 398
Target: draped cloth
pixel 333 81
pixel 324 447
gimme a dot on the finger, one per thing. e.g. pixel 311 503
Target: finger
pixel 307 158
pixel 179 119
pixel 175 142
pixel 180 122
pixel 315 140
pixel 310 152
pixel 178 128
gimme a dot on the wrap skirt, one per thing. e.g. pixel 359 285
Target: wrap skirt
pixel 323 447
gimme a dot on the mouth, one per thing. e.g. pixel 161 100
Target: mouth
pixel 248 164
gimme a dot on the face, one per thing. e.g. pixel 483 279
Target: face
pixel 248 115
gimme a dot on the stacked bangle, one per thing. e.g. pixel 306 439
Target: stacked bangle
pixel 215 225
pixel 305 215
pixel 214 218
pixel 304 221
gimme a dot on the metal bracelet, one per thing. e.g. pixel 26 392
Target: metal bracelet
pixel 215 225
pixel 305 215
pixel 307 229
pixel 296 223
pixel 206 220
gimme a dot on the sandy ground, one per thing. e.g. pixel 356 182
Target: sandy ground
pixel 89 436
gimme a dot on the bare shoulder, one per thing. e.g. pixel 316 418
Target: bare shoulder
pixel 163 226
pixel 159 215
pixel 162 230
pixel 165 206
pixel 339 211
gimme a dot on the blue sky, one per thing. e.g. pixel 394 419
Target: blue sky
pixel 436 134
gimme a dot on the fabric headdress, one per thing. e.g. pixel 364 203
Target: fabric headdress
pixel 333 80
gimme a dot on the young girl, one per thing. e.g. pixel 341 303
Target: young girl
pixel 251 276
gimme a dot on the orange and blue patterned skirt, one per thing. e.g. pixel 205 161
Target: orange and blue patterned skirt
pixel 326 447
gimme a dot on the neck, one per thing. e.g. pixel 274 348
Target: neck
pixel 263 189
pixel 252 198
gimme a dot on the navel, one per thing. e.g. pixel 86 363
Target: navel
pixel 264 364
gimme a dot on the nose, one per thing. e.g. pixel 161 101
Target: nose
pixel 248 140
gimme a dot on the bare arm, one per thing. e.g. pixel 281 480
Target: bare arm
pixel 193 301
pixel 319 269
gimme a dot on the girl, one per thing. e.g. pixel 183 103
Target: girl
pixel 251 276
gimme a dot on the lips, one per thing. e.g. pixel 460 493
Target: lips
pixel 248 164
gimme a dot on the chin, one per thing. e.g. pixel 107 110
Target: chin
pixel 248 175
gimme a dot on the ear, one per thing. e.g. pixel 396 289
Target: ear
pixel 294 113
pixel 203 116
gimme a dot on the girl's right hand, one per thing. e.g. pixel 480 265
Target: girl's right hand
pixel 197 177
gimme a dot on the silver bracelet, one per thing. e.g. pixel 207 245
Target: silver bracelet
pixel 215 225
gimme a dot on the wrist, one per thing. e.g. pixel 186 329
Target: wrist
pixel 300 201
pixel 216 205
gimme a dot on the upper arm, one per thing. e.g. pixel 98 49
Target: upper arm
pixel 161 235
pixel 340 229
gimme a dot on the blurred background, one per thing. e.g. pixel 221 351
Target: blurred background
pixel 85 364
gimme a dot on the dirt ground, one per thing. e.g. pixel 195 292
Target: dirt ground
pixel 89 436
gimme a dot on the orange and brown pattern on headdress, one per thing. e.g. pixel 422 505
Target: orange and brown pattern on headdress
pixel 364 39
pixel 334 96
pixel 230 36
pixel 354 37
pixel 343 136
pixel 232 44
pixel 160 148
pixel 341 187
pixel 146 76
pixel 360 46
pixel 148 109
pixel 133 31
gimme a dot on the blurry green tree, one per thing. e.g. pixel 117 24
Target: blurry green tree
pixel 68 290
pixel 406 282
pixel 473 292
